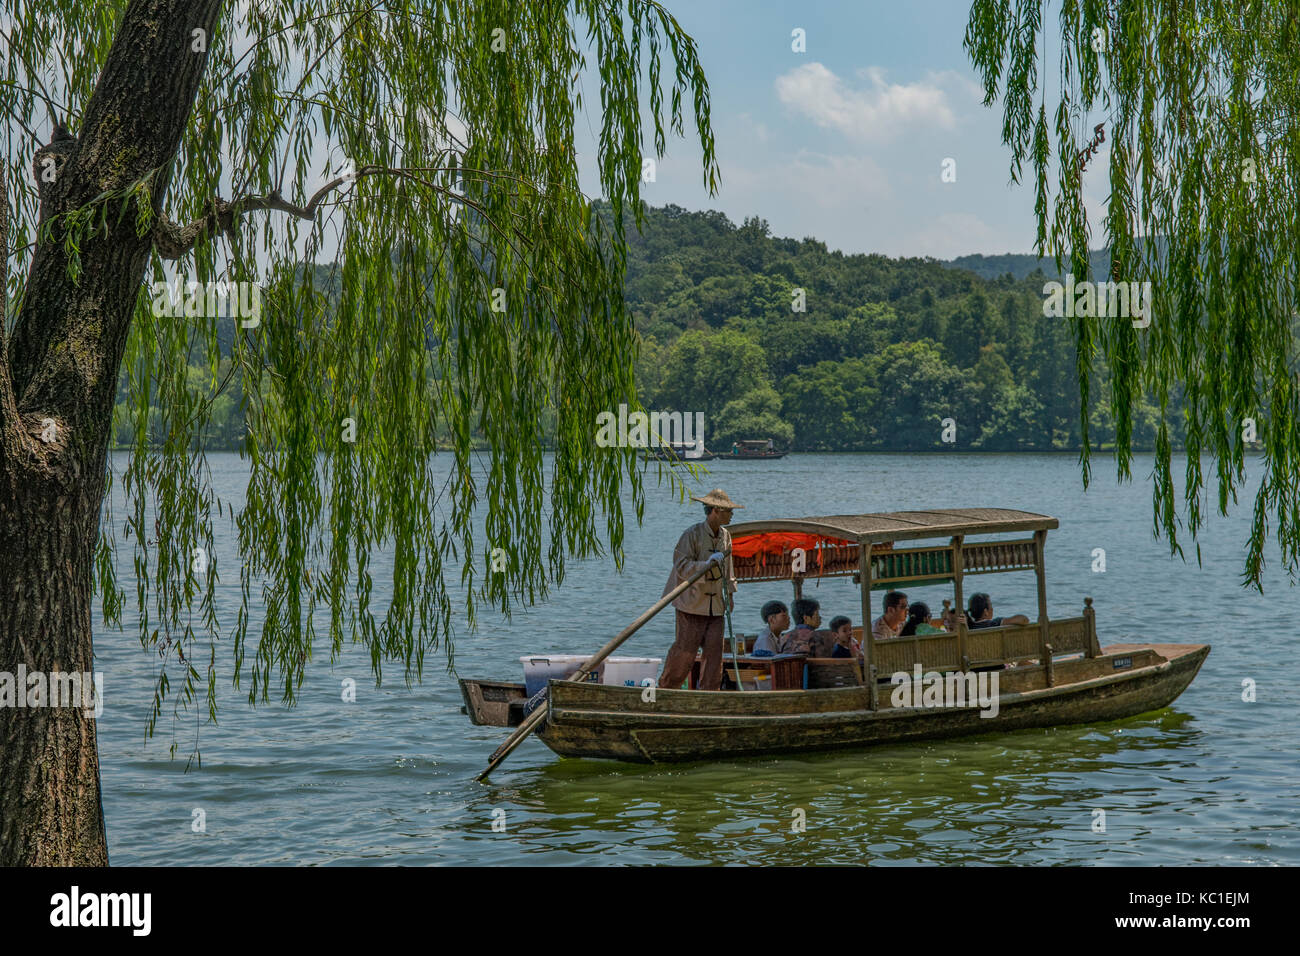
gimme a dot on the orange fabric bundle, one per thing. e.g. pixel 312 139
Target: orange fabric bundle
pixel 776 543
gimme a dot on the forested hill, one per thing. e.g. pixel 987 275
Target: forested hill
pixel 884 351
pixel 1021 266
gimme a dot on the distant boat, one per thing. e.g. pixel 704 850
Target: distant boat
pixel 678 451
pixel 760 448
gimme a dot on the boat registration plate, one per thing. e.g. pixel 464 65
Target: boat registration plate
pixel 1123 662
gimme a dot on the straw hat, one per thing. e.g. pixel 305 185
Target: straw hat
pixel 718 498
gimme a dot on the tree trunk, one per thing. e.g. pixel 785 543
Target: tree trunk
pixel 50 808
pixel 58 380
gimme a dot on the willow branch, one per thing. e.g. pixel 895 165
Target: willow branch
pixel 172 241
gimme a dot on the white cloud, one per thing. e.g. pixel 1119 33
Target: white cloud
pixel 836 182
pixel 955 234
pixel 878 112
pixel 847 187
pixel 752 126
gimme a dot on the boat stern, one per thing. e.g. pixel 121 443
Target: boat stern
pixel 493 703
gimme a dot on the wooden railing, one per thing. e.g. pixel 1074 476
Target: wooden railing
pixel 892 566
pixel 934 652
pixel 911 564
pixel 989 556
pixel 984 646
pixel 889 565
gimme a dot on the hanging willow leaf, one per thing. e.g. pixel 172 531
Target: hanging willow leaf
pixel 451 288
pixel 1199 99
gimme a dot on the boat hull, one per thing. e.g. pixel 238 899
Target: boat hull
pixel 670 456
pixel 617 723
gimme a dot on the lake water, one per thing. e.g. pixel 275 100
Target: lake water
pixel 390 778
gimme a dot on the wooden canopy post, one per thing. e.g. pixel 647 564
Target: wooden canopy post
pixel 868 636
pixel 1090 618
pixel 1045 649
pixel 797 581
pixel 961 604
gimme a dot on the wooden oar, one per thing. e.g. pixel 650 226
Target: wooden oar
pixel 530 723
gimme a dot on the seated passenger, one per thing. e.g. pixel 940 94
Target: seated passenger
pixel 845 645
pixel 887 625
pixel 918 621
pixel 980 614
pixel 777 619
pixel 952 616
pixel 804 638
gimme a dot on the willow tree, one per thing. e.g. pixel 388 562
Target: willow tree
pixel 467 286
pixel 1197 101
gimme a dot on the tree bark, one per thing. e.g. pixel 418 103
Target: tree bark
pixel 60 376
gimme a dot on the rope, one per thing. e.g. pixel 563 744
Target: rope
pixel 735 662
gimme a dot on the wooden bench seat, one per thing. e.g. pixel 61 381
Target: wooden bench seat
pixel 833 672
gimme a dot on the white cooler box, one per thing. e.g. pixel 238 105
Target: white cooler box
pixel 632 671
pixel 540 668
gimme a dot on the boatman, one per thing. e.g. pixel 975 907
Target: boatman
pixel 702 606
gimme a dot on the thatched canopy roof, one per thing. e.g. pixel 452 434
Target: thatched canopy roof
pixel 904 525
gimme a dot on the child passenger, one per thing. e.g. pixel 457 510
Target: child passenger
pixel 918 621
pixel 805 638
pixel 777 619
pixel 845 645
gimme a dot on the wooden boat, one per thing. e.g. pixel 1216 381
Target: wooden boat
pixel 759 449
pixel 677 451
pixel 1048 673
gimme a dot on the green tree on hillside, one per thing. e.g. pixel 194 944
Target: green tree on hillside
pixel 796 341
pixel 970 328
pixel 755 415
pixel 704 371
pixel 873 326
pixel 990 375
pixel 928 325
pixel 832 406
pixel 751 238
pixel 1012 421
pixel 918 389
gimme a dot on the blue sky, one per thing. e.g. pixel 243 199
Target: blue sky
pixel 845 142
